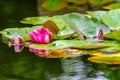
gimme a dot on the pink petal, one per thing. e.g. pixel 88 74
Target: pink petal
pixel 17 44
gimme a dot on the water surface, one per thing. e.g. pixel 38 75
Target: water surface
pixel 27 66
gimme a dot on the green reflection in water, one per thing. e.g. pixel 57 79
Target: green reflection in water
pixel 27 66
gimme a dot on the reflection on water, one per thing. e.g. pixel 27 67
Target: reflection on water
pixel 27 66
pixel 76 69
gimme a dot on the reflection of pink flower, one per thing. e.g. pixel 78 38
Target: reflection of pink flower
pixel 37 51
pixel 41 35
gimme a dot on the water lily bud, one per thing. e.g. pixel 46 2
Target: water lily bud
pixel 41 35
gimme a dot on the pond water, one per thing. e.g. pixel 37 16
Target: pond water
pixel 27 66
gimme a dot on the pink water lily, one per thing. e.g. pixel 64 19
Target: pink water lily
pixel 40 36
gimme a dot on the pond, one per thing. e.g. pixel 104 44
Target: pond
pixel 28 66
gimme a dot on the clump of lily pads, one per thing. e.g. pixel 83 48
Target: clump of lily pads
pixel 95 33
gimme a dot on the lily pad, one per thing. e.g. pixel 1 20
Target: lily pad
pixel 42 19
pixel 113 35
pixel 11 33
pixel 62 44
pixel 105 58
pixel 112 19
pixel 80 24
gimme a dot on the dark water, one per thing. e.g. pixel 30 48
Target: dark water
pixel 27 66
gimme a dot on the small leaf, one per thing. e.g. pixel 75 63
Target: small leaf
pixel 54 5
pixel 80 24
pixel 51 26
pixel 105 58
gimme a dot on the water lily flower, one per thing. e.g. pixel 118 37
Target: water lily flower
pixel 40 36
pixel 18 44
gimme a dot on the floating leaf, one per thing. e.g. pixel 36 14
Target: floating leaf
pixel 54 5
pixel 112 6
pixel 113 35
pixel 11 33
pixel 112 19
pixel 80 24
pixel 42 19
pixel 61 44
pixel 106 58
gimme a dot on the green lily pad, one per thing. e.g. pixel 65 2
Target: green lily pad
pixel 112 19
pixel 113 35
pixel 42 19
pixel 80 24
pixel 61 44
pixel 11 33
